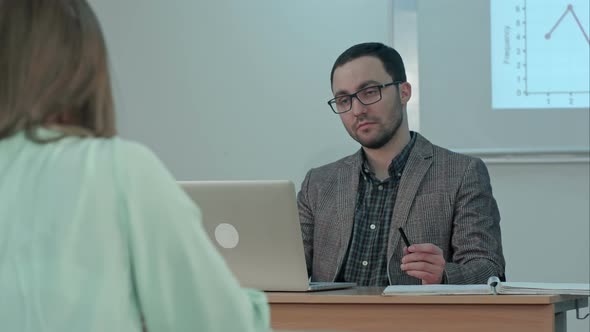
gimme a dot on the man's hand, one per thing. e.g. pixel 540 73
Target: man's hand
pixel 424 261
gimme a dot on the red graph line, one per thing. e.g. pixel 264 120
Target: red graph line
pixel 570 9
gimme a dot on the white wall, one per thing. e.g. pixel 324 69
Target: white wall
pixel 232 89
pixel 545 223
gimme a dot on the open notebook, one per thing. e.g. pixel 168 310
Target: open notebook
pixel 494 286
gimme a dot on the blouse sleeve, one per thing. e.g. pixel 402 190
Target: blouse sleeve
pixel 181 281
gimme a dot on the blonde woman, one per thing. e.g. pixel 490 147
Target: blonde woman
pixel 95 235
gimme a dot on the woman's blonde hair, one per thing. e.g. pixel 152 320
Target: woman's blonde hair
pixel 53 61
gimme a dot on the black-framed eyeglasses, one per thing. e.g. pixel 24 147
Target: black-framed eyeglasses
pixel 366 96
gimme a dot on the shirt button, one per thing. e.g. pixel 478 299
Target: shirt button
pixel 372 226
pixel 380 187
pixel 399 175
pixel 365 263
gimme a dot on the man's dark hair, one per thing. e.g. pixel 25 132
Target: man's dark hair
pixel 392 61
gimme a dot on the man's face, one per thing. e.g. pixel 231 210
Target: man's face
pixel 373 125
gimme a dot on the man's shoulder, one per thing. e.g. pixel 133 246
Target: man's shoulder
pixel 446 168
pixel 453 156
pixel 342 162
pixel 442 155
pixel 321 175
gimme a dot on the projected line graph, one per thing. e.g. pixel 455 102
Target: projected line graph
pixel 569 10
pixel 540 54
pixel 555 49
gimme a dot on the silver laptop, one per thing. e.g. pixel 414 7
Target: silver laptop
pixel 255 226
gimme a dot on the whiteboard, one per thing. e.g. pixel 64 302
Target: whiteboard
pixel 455 64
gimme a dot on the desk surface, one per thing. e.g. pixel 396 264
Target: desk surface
pixel 373 295
pixel 364 309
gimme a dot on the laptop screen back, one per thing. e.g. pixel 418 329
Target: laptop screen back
pixel 255 226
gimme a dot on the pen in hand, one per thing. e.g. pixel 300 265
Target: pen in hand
pixel 404 237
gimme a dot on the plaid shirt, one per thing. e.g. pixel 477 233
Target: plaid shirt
pixel 366 260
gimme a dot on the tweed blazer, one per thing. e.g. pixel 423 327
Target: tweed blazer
pixel 444 198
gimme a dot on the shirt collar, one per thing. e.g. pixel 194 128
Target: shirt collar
pixel 397 164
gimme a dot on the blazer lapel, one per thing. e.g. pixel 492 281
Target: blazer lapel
pixel 418 163
pixel 348 182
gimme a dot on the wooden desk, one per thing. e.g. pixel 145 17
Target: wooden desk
pixel 365 310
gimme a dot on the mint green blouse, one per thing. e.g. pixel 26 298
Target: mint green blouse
pixel 95 234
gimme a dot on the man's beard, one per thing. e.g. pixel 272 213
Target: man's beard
pixel 385 135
